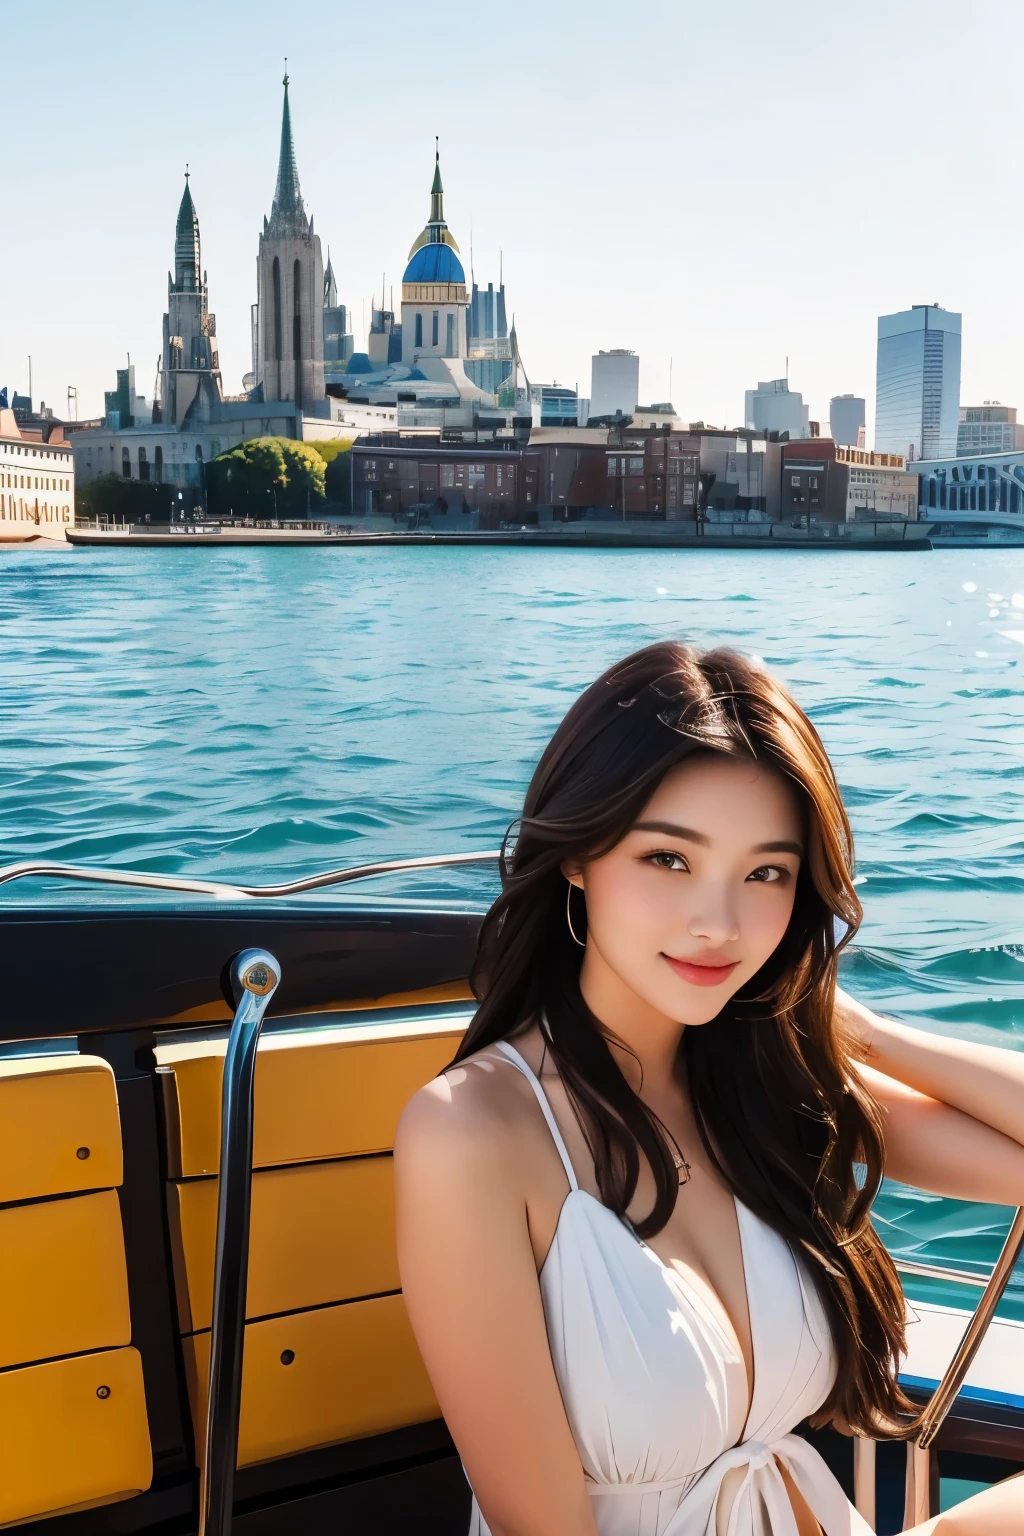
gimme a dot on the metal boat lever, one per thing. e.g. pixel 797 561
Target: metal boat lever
pixel 254 976
pixel 944 1396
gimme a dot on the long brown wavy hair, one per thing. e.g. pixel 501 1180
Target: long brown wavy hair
pixel 780 1112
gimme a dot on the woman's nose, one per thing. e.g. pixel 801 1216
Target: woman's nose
pixel 714 919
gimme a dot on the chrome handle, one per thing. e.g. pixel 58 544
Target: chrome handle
pixel 945 1393
pixel 917 1504
pixel 39 869
pixel 254 976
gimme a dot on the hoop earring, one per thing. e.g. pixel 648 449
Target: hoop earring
pixel 568 916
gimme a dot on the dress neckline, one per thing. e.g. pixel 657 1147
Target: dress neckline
pixel 716 1313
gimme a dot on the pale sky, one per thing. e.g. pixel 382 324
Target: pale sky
pixel 718 186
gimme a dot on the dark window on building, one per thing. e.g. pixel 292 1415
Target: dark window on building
pixel 812 482
pixel 634 466
pixel 158 464
pixel 613 465
pixel 276 284
pixel 433 339
pixel 419 331
pixel 143 465
pixel 794 481
pixel 447 475
pixel 450 338
pixel 199 453
pixel 126 463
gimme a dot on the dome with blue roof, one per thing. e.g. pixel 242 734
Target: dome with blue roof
pixel 434 263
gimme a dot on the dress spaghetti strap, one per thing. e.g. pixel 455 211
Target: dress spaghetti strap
pixel 511 1054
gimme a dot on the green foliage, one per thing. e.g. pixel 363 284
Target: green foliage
pixel 267 477
pixel 334 452
pixel 123 500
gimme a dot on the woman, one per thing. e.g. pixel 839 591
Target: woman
pixel 632 1242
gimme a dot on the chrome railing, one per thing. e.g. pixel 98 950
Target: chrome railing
pixel 42 870
pixel 917 1506
pixel 254 977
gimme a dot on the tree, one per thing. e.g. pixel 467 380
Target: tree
pixel 267 477
pixel 338 478
pixel 123 500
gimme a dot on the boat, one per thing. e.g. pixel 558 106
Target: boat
pixel 187 1084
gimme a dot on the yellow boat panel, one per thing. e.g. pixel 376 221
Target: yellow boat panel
pixel 351 1371
pixel 75 1433
pixel 319 1093
pixel 319 1233
pixel 59 1128
pixel 63 1282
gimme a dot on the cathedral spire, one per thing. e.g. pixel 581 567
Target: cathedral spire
pixel 187 258
pixel 436 189
pixel 287 197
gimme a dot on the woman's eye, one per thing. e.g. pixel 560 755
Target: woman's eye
pixel 769 873
pixel 667 860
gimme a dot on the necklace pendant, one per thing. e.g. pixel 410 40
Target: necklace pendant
pixel 682 1167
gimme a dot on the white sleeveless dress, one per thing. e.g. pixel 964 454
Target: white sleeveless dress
pixel 655 1390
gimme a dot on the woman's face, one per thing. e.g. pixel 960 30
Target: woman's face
pixel 697 896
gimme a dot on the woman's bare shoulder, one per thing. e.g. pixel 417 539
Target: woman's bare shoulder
pixel 475 1107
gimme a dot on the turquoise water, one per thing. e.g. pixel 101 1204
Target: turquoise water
pixel 257 714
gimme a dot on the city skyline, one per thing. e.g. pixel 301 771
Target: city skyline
pixel 651 225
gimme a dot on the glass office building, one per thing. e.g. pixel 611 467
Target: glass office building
pixel 917 387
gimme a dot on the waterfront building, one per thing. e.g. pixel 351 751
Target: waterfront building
pixel 917 388
pixel 614 382
pixel 124 406
pixel 615 472
pixel 661 414
pixel 824 481
pixel 490 361
pixel 290 290
pixel 846 420
pixel 988 428
pixel 191 420
pixel 189 362
pixel 774 407
pixel 434 297
pixel 384 342
pixel 553 405
pixel 37 480
pixel 430 386
pixel 339 343
pixel 976 484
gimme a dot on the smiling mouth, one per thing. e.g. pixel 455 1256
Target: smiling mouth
pixel 700 975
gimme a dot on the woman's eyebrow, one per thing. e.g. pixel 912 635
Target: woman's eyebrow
pixel 688 835
pixel 670 829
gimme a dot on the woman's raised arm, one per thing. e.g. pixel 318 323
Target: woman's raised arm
pixel 954 1109
pixel 470 1283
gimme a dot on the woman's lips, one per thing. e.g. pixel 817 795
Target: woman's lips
pixel 699 975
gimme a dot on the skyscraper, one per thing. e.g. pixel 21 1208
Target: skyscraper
pixel 917 388
pixel 614 382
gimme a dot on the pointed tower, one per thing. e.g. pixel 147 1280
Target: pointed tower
pixel 290 290
pixel 189 363
pixel 434 299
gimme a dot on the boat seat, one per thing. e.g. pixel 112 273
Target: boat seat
pixel 72 1404
pixel 329 1352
